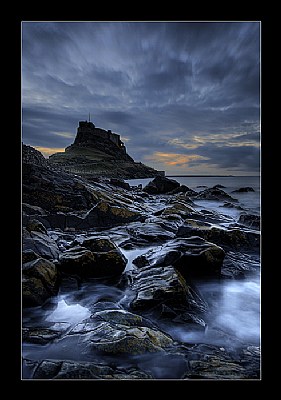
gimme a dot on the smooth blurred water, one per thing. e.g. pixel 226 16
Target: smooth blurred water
pixel 248 200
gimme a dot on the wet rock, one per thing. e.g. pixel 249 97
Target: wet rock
pixel 218 186
pixel 43 335
pixel 177 208
pixel 215 194
pixel 153 286
pixel 106 215
pixel 41 243
pixel 220 363
pixel 237 265
pixel 35 226
pixel 184 189
pixel 119 331
pixel 39 282
pixel 243 190
pixel 102 215
pixel 192 256
pixel 227 204
pixel 160 185
pixel 28 209
pixel 215 368
pixel 59 220
pixel 98 257
pixel 233 238
pixel 193 227
pixel 120 183
pixel 29 255
pixel 60 369
pixel 250 220
pixel 149 232
pixel 211 216
pixel 53 190
pixel 77 261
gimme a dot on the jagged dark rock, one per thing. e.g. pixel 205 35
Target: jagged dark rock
pixel 97 257
pixel 50 189
pixel 192 256
pixel 215 193
pixel 120 331
pixel 232 238
pixel 63 370
pixel 218 186
pixel 120 183
pixel 160 185
pixel 41 243
pixel 184 189
pixel 39 282
pixel 250 220
pixel 244 190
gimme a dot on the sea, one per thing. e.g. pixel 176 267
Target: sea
pixel 249 200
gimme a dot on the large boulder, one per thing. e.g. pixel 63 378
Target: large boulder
pixel 177 208
pixel 154 286
pixel 161 184
pixel 250 220
pixel 184 189
pixel 120 183
pixel 227 238
pixel 120 331
pixel 215 193
pixel 96 258
pixel 33 225
pixel 44 334
pixel 107 215
pixel 149 232
pixel 39 241
pixel 28 209
pixel 192 257
pixel 39 282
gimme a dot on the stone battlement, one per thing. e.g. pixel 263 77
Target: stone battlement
pixel 87 131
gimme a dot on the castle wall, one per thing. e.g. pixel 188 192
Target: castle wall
pixel 85 128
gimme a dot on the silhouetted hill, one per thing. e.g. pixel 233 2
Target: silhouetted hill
pixel 97 152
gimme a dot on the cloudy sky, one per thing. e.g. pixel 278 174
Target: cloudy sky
pixel 184 96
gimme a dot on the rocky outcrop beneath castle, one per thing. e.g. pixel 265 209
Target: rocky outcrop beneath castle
pixel 97 152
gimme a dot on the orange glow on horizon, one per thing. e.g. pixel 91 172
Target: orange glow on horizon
pixel 48 151
pixel 175 159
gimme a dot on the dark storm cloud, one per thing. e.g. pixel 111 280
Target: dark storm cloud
pixel 233 158
pixel 165 87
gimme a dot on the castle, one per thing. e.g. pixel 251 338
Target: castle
pixel 86 132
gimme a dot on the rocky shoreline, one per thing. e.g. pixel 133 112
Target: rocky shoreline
pixel 146 249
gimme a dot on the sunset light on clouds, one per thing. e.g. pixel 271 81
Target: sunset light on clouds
pixel 174 159
pixel 183 95
pixel 47 151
